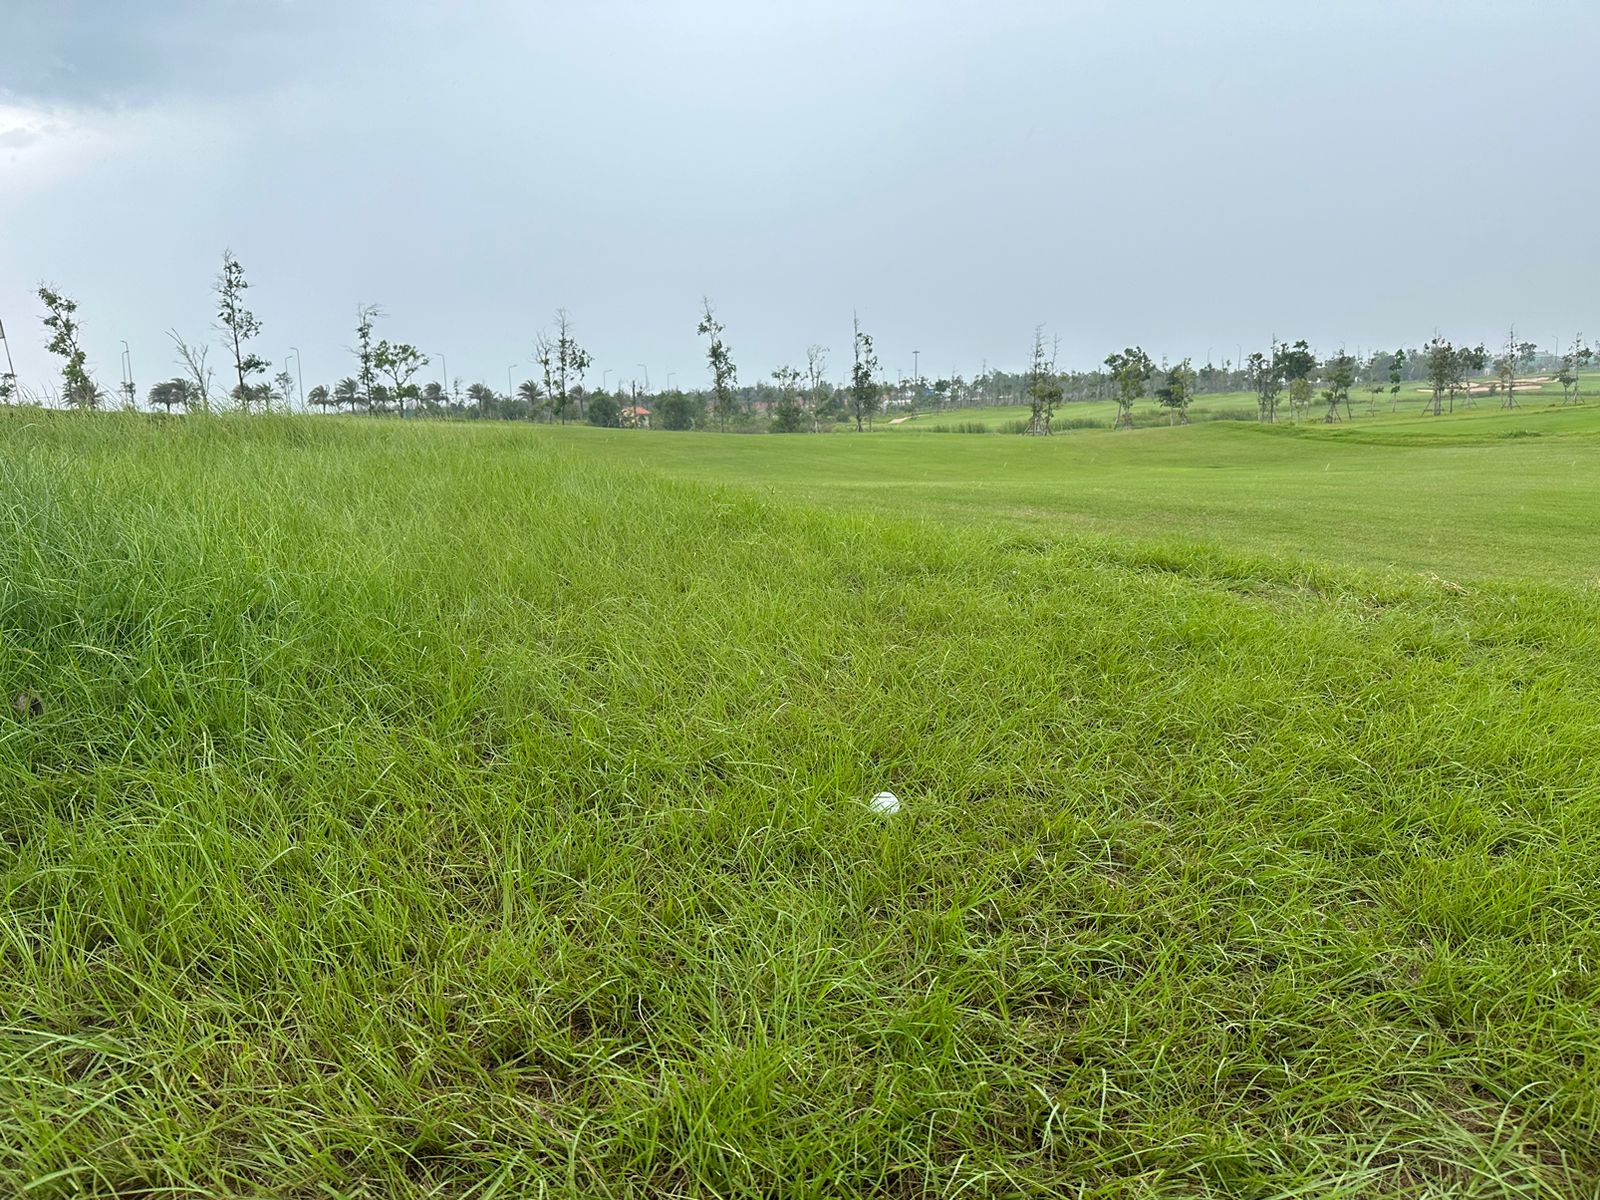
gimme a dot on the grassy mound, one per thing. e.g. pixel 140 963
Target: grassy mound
pixel 459 812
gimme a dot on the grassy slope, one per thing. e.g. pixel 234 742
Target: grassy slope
pixel 426 811
pixel 1469 497
pixel 1097 412
pixel 1232 405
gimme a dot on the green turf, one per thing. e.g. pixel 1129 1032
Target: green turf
pixel 1481 495
pixel 1079 414
pixel 478 811
pixel 1364 408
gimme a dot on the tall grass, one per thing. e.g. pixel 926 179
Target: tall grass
pixel 459 812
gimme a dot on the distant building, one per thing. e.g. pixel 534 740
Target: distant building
pixel 635 416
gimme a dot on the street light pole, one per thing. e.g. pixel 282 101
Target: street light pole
pixel 14 392
pixel 646 371
pixel 127 375
pixel 299 375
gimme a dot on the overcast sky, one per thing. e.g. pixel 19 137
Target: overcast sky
pixel 1187 175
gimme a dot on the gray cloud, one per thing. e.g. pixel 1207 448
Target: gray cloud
pixel 127 51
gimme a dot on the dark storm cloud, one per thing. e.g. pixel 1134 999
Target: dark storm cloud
pixel 114 51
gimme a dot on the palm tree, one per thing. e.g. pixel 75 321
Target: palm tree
pixel 319 397
pixel 532 395
pixel 170 393
pixel 347 391
pixel 483 396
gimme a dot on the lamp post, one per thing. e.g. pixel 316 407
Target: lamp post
pixel 11 368
pixel 127 375
pixel 299 374
pixel 646 371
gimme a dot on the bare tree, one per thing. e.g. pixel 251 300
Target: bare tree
pixel 193 361
pixel 816 373
pixel 283 389
pixel 563 363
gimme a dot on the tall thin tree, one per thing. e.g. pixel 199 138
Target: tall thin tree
pixel 816 377
pixel 1471 361
pixel 1506 366
pixel 239 327
pixel 1443 368
pixel 1397 372
pixel 366 355
pixel 1340 374
pixel 563 363
pixel 1044 385
pixel 864 389
pixel 78 389
pixel 1574 360
pixel 724 375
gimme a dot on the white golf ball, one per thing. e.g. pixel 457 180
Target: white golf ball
pixel 884 802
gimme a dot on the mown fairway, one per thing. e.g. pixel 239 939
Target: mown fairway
pixel 478 811
pixel 1483 495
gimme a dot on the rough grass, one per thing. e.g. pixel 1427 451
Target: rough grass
pixel 421 811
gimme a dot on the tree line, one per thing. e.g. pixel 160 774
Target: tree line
pixel 1287 379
